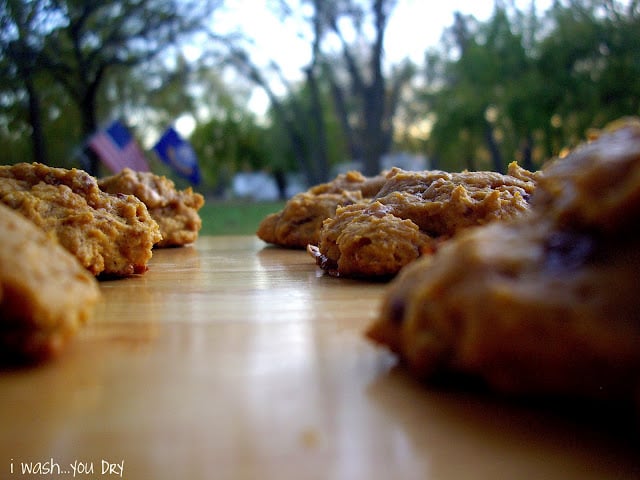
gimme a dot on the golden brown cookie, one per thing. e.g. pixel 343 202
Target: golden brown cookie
pixel 176 212
pixel 368 240
pixel 45 294
pixel 544 304
pixel 412 214
pixel 109 234
pixel 298 223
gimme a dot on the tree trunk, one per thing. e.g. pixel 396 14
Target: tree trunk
pixel 494 150
pixel 527 153
pixel 374 99
pixel 319 140
pixel 354 146
pixel 374 134
pixel 88 117
pixel 35 119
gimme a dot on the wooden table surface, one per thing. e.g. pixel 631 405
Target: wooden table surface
pixel 230 359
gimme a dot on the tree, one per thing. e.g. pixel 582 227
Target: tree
pixel 319 100
pixel 23 26
pixel 364 95
pixel 294 116
pixel 374 94
pixel 523 87
pixel 228 142
pixel 474 96
pixel 80 42
pixel 591 63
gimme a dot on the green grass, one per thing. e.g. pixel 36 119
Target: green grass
pixel 235 217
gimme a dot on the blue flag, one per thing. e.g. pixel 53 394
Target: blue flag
pixel 179 155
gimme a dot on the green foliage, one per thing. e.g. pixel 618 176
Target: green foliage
pixel 229 144
pixel 519 86
pixel 299 98
pixel 61 129
pixel 79 50
pixel 523 87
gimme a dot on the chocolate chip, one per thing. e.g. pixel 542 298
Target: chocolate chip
pixel 566 250
pixel 396 311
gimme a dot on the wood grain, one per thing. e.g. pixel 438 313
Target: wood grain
pixel 230 359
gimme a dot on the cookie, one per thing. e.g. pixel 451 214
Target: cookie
pixel 412 214
pixel 45 294
pixel 108 234
pixel 366 240
pixel 544 304
pixel 176 212
pixel 298 223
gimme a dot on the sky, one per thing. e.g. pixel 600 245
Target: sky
pixel 414 26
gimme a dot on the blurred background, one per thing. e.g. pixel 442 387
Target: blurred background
pixel 275 96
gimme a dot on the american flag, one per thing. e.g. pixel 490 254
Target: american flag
pixel 118 149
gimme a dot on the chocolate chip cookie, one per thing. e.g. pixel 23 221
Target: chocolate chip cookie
pixel 175 211
pixel 544 304
pixel 412 214
pixel 109 234
pixel 45 293
pixel 298 223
